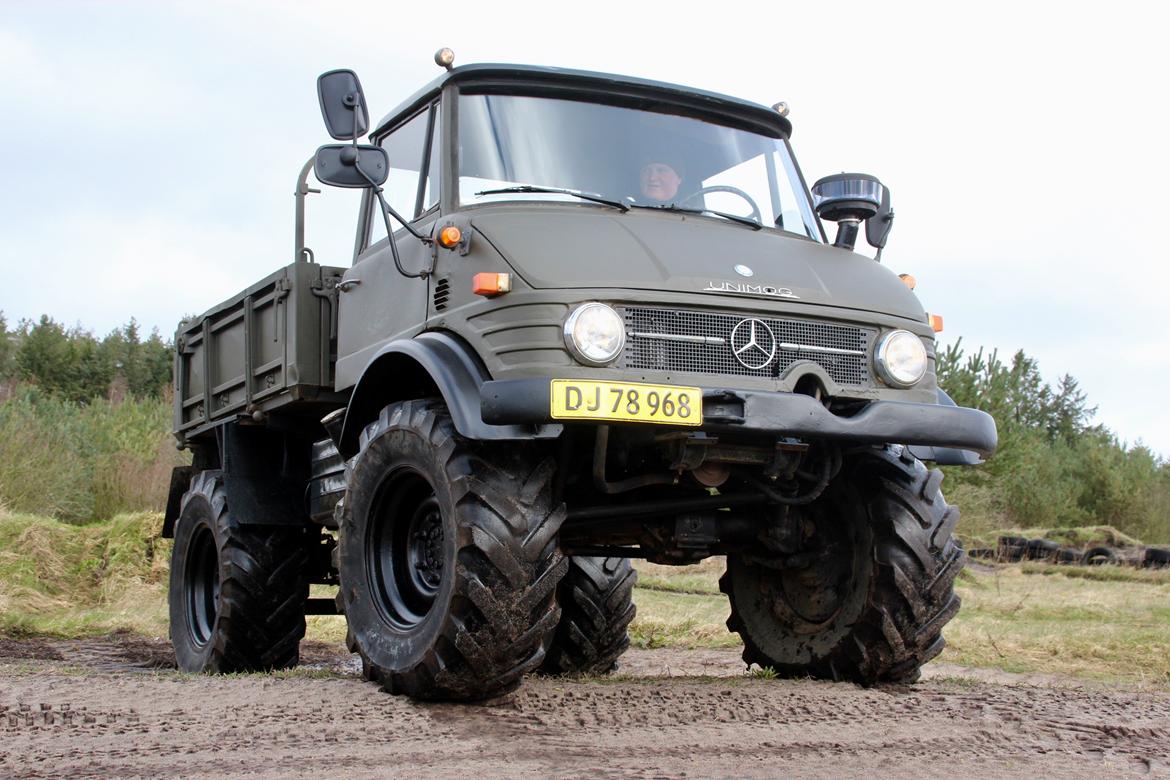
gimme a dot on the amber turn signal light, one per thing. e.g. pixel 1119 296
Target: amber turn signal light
pixel 450 236
pixel 491 284
pixel 936 322
pixel 908 280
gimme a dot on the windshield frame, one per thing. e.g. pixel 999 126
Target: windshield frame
pixel 691 104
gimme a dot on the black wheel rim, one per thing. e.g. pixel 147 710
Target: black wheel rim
pixel 405 549
pixel 202 586
pixel 817 590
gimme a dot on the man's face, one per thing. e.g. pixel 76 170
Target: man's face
pixel 659 181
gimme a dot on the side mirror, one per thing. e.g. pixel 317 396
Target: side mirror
pixel 343 104
pixel 847 199
pixel 345 165
pixel 877 227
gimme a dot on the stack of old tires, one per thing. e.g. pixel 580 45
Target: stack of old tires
pixel 1156 558
pixel 1013 549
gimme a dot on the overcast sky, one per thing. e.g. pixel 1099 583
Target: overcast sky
pixel 153 148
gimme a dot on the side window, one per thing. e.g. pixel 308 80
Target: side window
pixel 405 148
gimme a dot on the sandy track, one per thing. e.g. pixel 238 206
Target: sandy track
pixel 111 708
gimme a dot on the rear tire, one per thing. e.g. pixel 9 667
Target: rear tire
pixel 869 600
pixel 448 557
pixel 237 593
pixel 597 604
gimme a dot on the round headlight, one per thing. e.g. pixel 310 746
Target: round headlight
pixel 901 358
pixel 595 333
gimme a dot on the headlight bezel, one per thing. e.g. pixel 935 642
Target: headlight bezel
pixel 576 350
pixel 882 363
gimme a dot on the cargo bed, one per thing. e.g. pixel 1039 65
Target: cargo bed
pixel 270 348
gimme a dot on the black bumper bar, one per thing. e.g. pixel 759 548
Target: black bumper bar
pixel 526 401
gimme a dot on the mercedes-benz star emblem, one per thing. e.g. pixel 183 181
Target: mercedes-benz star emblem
pixel 744 270
pixel 753 343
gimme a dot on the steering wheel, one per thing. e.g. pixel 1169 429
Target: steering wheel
pixel 756 215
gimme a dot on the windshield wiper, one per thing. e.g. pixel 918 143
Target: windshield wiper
pixel 557 191
pixel 679 209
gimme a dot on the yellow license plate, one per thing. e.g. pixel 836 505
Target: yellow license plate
pixel 582 399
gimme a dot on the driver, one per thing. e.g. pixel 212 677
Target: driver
pixel 659 182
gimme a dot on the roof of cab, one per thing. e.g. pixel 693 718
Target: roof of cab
pixel 502 76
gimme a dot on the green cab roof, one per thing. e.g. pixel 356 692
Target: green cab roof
pixel 600 87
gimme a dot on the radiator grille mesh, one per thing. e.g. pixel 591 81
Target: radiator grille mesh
pixel 701 341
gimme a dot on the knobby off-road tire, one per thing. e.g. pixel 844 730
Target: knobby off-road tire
pixel 597 604
pixel 448 557
pixel 869 605
pixel 237 593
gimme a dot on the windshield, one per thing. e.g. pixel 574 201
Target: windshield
pixel 520 145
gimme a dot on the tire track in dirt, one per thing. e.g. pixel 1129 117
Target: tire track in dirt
pixel 103 712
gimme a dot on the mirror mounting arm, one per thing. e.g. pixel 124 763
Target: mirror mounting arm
pixel 386 212
pixel 301 252
pixel 387 208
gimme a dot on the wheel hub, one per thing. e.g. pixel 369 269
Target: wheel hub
pixel 426 546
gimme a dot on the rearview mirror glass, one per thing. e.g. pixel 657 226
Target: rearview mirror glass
pixel 343 165
pixel 343 104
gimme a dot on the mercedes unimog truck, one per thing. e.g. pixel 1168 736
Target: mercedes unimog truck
pixel 587 319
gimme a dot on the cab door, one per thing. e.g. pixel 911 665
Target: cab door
pixel 378 303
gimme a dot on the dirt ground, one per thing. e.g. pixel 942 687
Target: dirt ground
pixel 114 707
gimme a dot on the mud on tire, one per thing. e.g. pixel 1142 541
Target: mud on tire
pixel 237 593
pixel 892 597
pixel 597 604
pixel 448 557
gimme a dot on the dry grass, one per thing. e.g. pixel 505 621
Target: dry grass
pixel 67 580
pixel 1065 623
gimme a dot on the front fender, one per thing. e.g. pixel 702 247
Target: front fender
pixel 430 364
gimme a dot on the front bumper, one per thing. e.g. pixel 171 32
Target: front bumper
pixel 526 401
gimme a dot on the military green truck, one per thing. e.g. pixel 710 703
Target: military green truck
pixel 588 318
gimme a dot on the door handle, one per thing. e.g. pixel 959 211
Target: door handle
pixel 346 284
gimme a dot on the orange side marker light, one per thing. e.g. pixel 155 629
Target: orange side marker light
pixel 936 322
pixel 450 236
pixel 491 284
pixel 908 280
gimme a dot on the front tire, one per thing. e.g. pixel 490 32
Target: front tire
pixel 868 600
pixel 237 593
pixel 448 557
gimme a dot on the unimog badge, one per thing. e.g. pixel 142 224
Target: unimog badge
pixel 750 289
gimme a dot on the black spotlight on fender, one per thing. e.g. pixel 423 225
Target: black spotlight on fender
pixel 849 199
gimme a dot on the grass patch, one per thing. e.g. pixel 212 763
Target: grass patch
pixel 65 580
pixel 1100 573
pixel 680 620
pixel 1100 629
pixel 702 577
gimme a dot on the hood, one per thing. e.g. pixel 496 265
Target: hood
pixel 580 247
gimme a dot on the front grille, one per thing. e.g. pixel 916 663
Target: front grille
pixel 701 341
